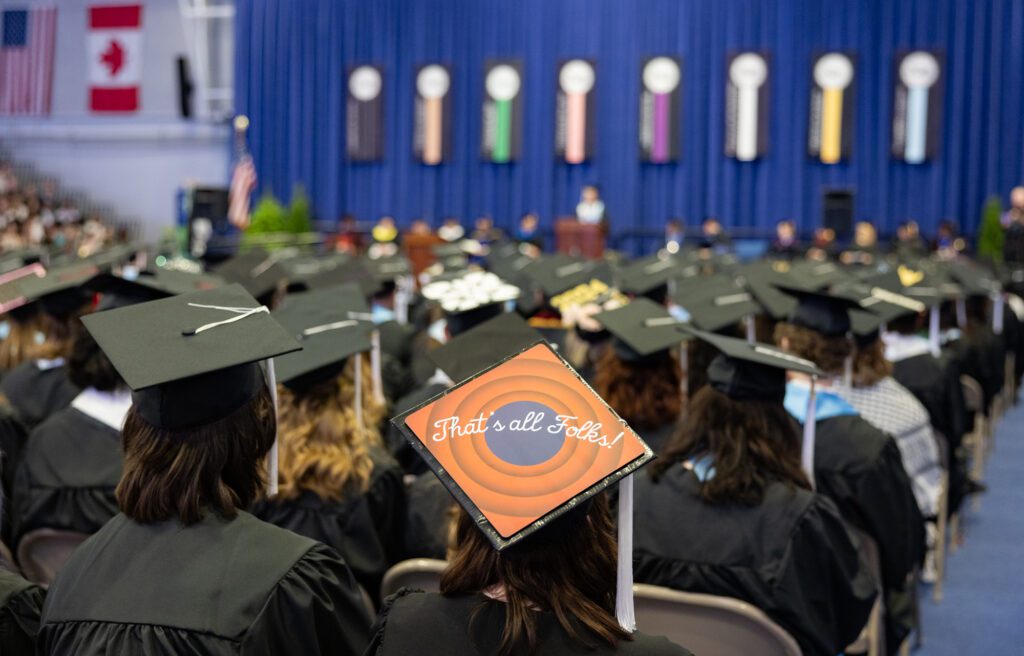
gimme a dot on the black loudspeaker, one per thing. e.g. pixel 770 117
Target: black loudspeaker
pixel 207 218
pixel 837 211
pixel 185 88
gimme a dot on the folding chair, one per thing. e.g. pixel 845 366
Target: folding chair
pixel 707 624
pixel 418 573
pixel 42 552
pixel 974 397
pixel 872 639
pixel 942 519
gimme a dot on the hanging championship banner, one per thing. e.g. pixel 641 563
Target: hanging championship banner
pixel 432 114
pixel 747 106
pixel 502 110
pixel 574 111
pixel 830 127
pixel 660 102
pixel 917 105
pixel 365 113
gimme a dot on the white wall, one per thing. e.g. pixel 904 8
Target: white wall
pixel 132 162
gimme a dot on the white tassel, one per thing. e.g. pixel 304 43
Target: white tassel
pixel 684 366
pixel 961 313
pixel 358 402
pixel 998 312
pixel 624 611
pixel 807 449
pixel 378 383
pixel 272 460
pixel 751 329
pixel 933 332
pixel 848 371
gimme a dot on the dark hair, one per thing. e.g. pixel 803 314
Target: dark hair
pixel 20 343
pixel 182 474
pixel 567 570
pixel 88 365
pixel 869 365
pixel 646 394
pixel 752 443
pixel 829 353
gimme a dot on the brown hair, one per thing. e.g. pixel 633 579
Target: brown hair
pixel 829 353
pixel 60 333
pixel 567 570
pixel 323 450
pixel 869 365
pixel 646 394
pixel 751 443
pixel 182 474
pixel 20 344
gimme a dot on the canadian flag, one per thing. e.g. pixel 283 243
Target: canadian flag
pixel 115 57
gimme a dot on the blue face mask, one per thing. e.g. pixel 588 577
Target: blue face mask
pixel 678 312
pixel 40 338
pixel 5 329
pixel 382 314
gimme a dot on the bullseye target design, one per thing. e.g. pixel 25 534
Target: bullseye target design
pixel 521 440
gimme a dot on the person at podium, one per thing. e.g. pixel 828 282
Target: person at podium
pixel 590 209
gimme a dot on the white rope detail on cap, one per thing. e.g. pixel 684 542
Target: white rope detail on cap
pixel 326 327
pixel 272 457
pixel 625 612
pixel 241 313
pixel 809 434
pixel 655 322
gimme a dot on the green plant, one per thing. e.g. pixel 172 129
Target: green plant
pixel 300 217
pixel 990 231
pixel 269 216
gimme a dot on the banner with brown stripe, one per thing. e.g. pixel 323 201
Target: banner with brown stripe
pixel 432 114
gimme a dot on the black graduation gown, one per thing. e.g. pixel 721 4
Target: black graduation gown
pixel 37 393
pixel 400 448
pixel 221 586
pixel 428 623
pixel 658 438
pixel 366 529
pixel 396 351
pixel 66 480
pixel 21 603
pixel 860 469
pixel 427 521
pixel 791 556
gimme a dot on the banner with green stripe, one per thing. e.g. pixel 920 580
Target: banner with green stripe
pixel 502 110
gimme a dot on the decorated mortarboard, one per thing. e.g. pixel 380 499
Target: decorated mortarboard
pixel 746 371
pixel 579 305
pixel 61 291
pixel 478 347
pixel 522 443
pixel 642 330
pixel 331 324
pixel 191 359
pixel 258 271
pixel 556 273
pixel 469 291
pixel 823 312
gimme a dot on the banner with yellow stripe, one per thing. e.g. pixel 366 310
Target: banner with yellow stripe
pixel 830 126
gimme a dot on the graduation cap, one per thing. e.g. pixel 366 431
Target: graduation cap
pixel 825 313
pixel 11 297
pixel 257 270
pixel 190 360
pixel 478 347
pixel 879 306
pixel 524 442
pixel 717 303
pixel 643 330
pixel 123 290
pixel 353 270
pixel 651 276
pixel 301 267
pixel 390 268
pixel 746 371
pixel 470 298
pixel 331 324
pixel 556 273
pixel 61 291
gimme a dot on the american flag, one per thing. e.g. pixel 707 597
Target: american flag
pixel 26 60
pixel 243 181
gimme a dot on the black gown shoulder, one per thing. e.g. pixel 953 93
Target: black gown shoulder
pixel 66 480
pixel 861 470
pixel 222 586
pixel 365 528
pixel 410 461
pixel 791 556
pixel 21 603
pixel 413 622
pixel 427 521
pixel 36 393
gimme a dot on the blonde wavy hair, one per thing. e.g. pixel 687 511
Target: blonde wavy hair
pixel 322 449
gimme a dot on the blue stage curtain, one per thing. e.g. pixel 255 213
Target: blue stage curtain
pixel 292 57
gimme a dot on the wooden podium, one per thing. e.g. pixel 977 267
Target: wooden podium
pixel 579 239
pixel 419 250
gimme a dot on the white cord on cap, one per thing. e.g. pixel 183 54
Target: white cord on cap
pixel 807 449
pixel 272 459
pixel 625 613
pixel 240 312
